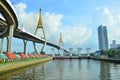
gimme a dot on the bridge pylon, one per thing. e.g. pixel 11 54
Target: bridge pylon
pixel 40 26
pixel 79 51
pixel 61 50
pixel 53 52
pixel 71 51
pixel 88 51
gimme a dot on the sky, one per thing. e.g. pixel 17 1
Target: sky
pixel 77 20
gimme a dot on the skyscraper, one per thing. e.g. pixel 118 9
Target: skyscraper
pixel 102 38
pixel 113 44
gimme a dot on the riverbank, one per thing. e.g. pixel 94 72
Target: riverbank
pixel 13 66
pixel 106 59
pixel 113 60
pixel 68 57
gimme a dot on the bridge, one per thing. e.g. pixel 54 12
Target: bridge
pixel 9 28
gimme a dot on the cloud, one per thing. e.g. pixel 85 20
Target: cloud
pixel 112 21
pixel 77 35
pixel 52 23
pixel 28 20
pixel 74 35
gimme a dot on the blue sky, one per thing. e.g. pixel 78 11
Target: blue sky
pixel 76 19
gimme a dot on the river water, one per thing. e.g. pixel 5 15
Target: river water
pixel 70 70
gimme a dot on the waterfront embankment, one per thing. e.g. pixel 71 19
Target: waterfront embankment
pixel 106 59
pixel 13 66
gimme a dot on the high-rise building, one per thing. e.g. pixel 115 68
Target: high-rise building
pixel 113 44
pixel 102 38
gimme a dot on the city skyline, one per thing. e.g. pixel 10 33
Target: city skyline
pixel 76 21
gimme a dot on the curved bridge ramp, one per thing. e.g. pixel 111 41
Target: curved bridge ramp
pixel 10 18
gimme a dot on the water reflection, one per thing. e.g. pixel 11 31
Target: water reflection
pixel 105 71
pixel 70 70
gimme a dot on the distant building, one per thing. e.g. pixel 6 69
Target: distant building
pixel 118 45
pixel 96 53
pixel 102 38
pixel 113 44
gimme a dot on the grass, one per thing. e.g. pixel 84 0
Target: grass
pixel 2 64
pixel 12 66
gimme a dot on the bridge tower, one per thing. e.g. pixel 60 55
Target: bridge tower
pixel 53 52
pixel 79 51
pixel 71 51
pixel 40 26
pixel 61 51
pixel 88 51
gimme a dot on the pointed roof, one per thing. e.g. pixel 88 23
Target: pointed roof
pixel 40 24
pixel 60 40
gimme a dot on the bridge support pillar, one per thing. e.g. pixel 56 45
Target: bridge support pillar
pixel 44 45
pixel 10 38
pixel 25 45
pixel 71 54
pixel 71 51
pixel 61 52
pixel 36 51
pixel 2 45
pixel 79 50
pixel 53 52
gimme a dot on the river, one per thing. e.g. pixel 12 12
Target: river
pixel 70 70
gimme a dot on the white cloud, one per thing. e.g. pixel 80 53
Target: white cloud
pixel 52 23
pixel 105 17
pixel 75 35
pixel 28 20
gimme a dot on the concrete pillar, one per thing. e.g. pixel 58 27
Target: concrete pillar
pixel 53 52
pixel 88 49
pixel 71 51
pixel 7 43
pixel 79 50
pixel 36 51
pixel 25 46
pixel 2 45
pixel 10 38
pixel 61 52
pixel 44 45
